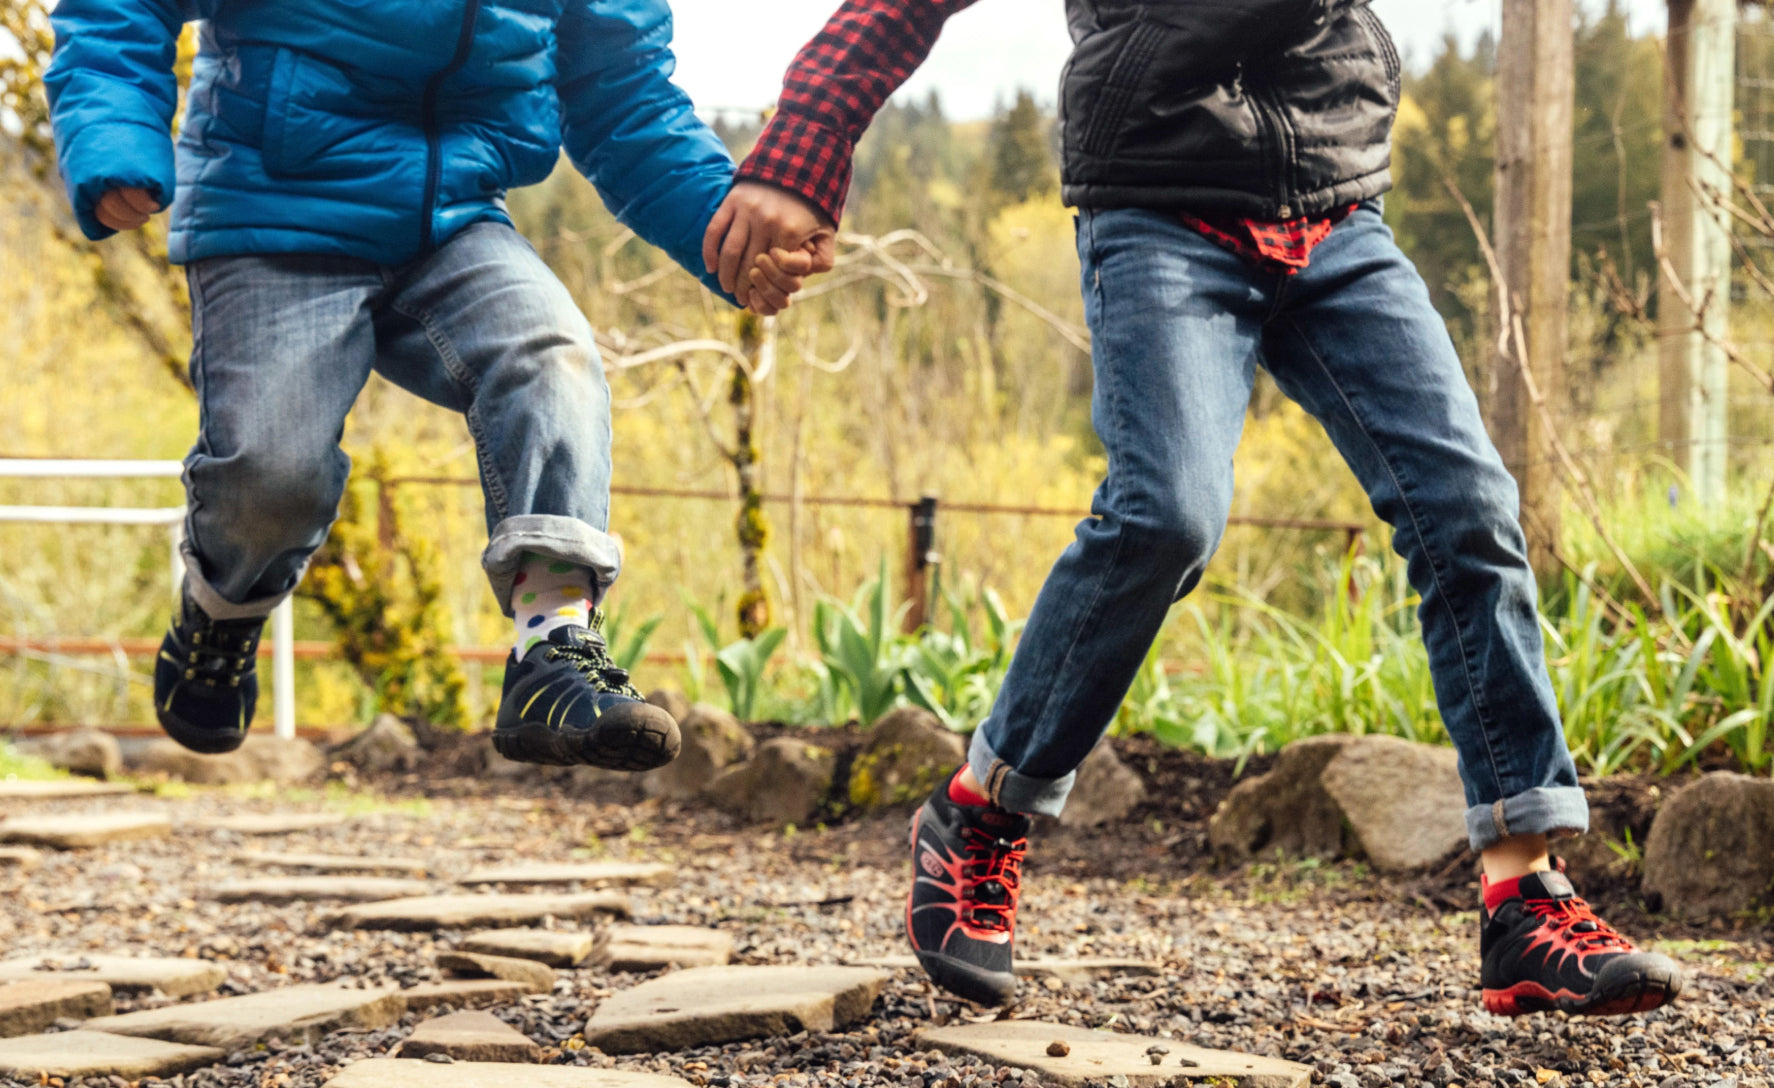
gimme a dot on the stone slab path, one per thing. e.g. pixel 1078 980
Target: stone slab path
pixel 470 1037
pixel 29 1007
pixel 296 1013
pixel 473 911
pixel 538 976
pixel 650 948
pixel 1094 1057
pixel 708 1005
pixel 463 993
pixel 61 789
pixel 272 823
pixel 74 832
pixel 596 872
pixel 292 889
pixel 92 1053
pixel 1066 970
pixel 171 976
pixel 331 863
pixel 19 857
pixel 396 1073
pixel 556 948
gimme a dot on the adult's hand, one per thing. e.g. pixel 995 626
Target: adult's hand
pixel 126 209
pixel 755 219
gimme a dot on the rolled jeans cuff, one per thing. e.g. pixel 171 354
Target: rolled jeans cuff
pixel 1555 811
pixel 218 607
pixel 1012 790
pixel 552 537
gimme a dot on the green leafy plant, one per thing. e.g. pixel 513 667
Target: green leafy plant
pixel 862 657
pixel 628 646
pixel 742 666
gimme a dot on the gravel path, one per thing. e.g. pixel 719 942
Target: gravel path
pixel 1370 981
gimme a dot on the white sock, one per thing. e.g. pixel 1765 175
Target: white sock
pixel 546 595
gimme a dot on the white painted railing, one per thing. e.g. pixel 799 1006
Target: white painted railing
pixel 283 666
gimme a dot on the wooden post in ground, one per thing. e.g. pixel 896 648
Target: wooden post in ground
pixel 1698 97
pixel 1535 102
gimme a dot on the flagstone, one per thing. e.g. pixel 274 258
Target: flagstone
pixel 595 872
pixel 1082 969
pixel 300 1014
pixel 291 889
pixel 29 1007
pixel 463 993
pixel 1096 1057
pixel 271 823
pixel 650 948
pixel 711 1005
pixel 173 977
pixel 556 948
pixel 74 831
pixel 470 1037
pixel 396 1073
pixel 19 857
pixel 94 1054
pixel 466 911
pixel 61 788
pixel 538 976
pixel 331 863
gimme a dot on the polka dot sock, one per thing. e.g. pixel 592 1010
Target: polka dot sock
pixel 549 594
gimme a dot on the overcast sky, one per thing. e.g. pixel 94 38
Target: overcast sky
pixel 729 57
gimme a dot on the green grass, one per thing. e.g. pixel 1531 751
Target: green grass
pixel 22 768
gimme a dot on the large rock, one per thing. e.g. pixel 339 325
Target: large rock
pixel 61 788
pixel 331 863
pixel 28 1007
pixel 909 751
pixel 297 889
pixel 465 911
pixel 1105 792
pixel 300 1014
pixel 1404 801
pixel 713 741
pixel 471 1037
pixel 675 703
pixel 261 759
pixel 395 1073
pixel 651 948
pixel 556 948
pixel 19 857
pixel 172 976
pixel 786 782
pixel 712 1005
pixel 96 1054
pixel 1400 803
pixel 539 977
pixel 1711 849
pixel 388 746
pixel 1086 1057
pixel 87 752
pixel 74 832
pixel 464 993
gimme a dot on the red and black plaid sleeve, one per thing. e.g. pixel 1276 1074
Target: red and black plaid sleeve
pixel 833 90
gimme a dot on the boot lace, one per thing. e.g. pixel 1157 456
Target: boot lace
pixel 992 867
pixel 1573 916
pixel 218 653
pixel 591 657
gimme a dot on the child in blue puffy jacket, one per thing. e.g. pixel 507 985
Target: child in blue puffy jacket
pixel 337 198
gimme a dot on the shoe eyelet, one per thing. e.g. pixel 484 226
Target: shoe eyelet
pixel 190 674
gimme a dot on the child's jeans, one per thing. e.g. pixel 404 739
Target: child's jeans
pixel 1179 327
pixel 284 344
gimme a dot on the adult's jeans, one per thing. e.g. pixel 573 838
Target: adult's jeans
pixel 283 345
pixel 1179 326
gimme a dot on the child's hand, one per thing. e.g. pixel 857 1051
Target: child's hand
pixel 774 278
pixel 126 209
pixel 754 220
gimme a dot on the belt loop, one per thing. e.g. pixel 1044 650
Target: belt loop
pixel 1497 818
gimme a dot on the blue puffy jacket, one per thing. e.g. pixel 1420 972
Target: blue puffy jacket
pixel 378 128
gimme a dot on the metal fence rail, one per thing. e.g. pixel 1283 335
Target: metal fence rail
pixel 172 519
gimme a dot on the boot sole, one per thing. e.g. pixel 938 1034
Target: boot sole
pixel 641 738
pixel 1642 993
pixel 209 742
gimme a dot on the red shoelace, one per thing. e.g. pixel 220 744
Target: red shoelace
pixel 1573 916
pixel 993 869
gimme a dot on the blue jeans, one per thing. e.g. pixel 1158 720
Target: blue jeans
pixel 1179 327
pixel 283 346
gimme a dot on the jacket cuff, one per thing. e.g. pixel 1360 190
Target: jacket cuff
pixel 804 157
pixel 117 155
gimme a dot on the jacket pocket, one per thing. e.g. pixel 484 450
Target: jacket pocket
pixel 1120 87
pixel 319 124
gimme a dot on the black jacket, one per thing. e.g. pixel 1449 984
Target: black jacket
pixel 1263 108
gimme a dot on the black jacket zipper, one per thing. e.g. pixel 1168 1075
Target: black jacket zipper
pixel 1279 150
pixel 433 152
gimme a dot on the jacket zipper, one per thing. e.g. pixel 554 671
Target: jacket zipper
pixel 1273 121
pixel 433 139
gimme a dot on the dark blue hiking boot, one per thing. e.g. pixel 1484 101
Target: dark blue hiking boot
pixel 567 703
pixel 206 681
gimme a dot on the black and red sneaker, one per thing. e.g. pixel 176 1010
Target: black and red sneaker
pixel 1544 949
pixel 961 913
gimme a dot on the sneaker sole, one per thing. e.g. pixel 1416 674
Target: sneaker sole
pixel 960 978
pixel 632 741
pixel 208 742
pixel 1642 993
